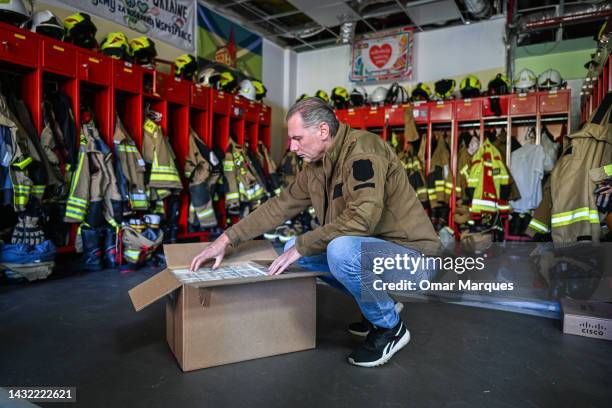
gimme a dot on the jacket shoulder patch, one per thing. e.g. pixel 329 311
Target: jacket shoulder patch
pixel 363 170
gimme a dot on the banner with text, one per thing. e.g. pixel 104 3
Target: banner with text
pixel 170 21
pixel 383 56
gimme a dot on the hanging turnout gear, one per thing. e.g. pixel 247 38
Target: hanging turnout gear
pixel 130 170
pixel 143 51
pixel 488 182
pixel 162 178
pixel 272 177
pixel 444 88
pixel 421 92
pixel 185 66
pixel 116 45
pixel 202 170
pixel 14 161
pixel 244 189
pixel 340 97
pixel 525 80
pixel 80 30
pixel 358 97
pixel 46 23
pixel 470 87
pixel 94 195
pixel 569 208
pixel 13 12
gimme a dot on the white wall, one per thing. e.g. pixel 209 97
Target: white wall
pixel 451 52
pixel 276 71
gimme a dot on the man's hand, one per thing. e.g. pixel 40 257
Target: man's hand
pixel 215 250
pixel 282 262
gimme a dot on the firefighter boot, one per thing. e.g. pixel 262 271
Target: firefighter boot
pixel 110 247
pixel 92 249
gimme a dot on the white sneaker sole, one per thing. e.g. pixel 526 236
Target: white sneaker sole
pixel 401 343
pixel 398 308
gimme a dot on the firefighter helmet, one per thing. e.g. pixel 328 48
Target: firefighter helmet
pixel 358 96
pixel 46 23
pixel 143 50
pixel 227 82
pixel 498 85
pixel 185 66
pixel 470 87
pixel 302 97
pixel 421 92
pixel 80 30
pixel 322 95
pixel 247 89
pixel 444 88
pixel 208 77
pixel 13 12
pixel 378 96
pixel 550 80
pixel 116 45
pixel 525 80
pixel 339 97
pixel 260 89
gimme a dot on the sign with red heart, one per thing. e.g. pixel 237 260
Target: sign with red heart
pixel 383 56
pixel 380 55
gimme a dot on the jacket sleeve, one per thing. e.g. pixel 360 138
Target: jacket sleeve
pixel 363 190
pixel 78 199
pixel 291 201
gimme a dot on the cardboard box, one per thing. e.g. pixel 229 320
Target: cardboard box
pixel 589 319
pixel 211 323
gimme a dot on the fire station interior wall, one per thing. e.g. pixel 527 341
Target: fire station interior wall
pixel 61 10
pixel 451 52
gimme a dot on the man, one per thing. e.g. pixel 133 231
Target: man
pixel 366 206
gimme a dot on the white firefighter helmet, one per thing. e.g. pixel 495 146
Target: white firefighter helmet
pixel 378 96
pixel 549 80
pixel 247 89
pixel 524 80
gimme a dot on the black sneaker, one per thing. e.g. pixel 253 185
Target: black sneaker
pixel 380 345
pixel 363 327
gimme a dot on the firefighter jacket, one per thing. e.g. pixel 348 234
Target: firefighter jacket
pixel 290 166
pixel 14 161
pixel 243 187
pixel 273 179
pixel 569 211
pixel 359 188
pixel 439 179
pixel 501 142
pixel 200 166
pixel 488 182
pixel 162 178
pixel 414 170
pixel 130 169
pixel 94 195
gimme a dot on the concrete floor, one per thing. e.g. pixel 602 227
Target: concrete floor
pixel 81 330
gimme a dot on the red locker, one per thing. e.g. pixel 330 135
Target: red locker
pixel 18 46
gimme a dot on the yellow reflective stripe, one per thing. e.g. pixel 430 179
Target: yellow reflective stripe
pixel 570 217
pixel 206 213
pixel 127 149
pixel 608 169
pixel 228 165
pixel 164 177
pixel 232 196
pixel 22 164
pixel 538 226
pixel 22 188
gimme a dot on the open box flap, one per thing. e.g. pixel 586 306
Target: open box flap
pixel 153 288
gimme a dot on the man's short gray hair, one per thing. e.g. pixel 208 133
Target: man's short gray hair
pixel 315 111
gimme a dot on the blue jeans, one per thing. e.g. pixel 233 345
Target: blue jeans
pixel 350 264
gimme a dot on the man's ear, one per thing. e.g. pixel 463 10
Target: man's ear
pixel 324 128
